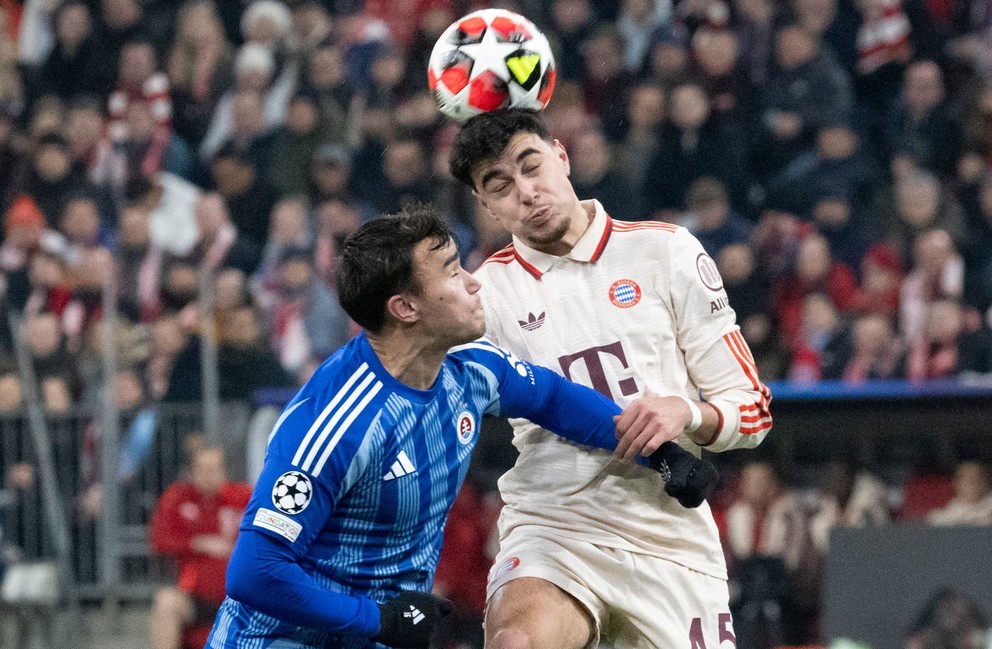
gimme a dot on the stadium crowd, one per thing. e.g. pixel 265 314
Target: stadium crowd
pixel 833 156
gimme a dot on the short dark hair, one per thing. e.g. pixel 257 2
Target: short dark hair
pixel 486 136
pixel 377 261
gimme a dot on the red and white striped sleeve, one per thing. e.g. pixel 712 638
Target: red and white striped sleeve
pixel 717 357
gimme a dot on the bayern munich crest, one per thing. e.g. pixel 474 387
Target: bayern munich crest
pixel 625 293
pixel 466 427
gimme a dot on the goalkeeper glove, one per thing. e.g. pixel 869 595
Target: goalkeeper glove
pixel 410 620
pixel 688 479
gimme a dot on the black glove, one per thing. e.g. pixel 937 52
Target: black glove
pixel 410 620
pixel 688 479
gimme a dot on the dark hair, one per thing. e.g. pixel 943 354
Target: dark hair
pixel 486 136
pixel 377 261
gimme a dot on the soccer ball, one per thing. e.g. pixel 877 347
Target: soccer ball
pixel 292 492
pixel 491 59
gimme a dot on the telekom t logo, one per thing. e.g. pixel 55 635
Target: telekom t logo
pixel 594 366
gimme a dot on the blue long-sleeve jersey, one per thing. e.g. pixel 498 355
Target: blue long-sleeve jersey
pixel 359 476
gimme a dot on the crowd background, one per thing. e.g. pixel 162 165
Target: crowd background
pixel 833 156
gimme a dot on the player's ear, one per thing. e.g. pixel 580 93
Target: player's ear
pixel 562 155
pixel 402 309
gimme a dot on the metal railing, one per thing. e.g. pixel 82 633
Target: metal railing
pixel 104 540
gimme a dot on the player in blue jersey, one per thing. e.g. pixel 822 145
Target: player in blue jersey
pixel 342 535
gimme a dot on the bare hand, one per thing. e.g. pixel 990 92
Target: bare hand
pixel 212 546
pixel 649 422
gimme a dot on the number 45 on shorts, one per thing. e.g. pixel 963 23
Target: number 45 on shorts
pixel 724 626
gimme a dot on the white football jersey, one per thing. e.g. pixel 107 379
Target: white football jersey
pixel 633 309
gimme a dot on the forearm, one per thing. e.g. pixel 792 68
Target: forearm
pixel 262 576
pixel 577 414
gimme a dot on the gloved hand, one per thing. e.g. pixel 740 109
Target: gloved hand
pixel 688 479
pixel 410 620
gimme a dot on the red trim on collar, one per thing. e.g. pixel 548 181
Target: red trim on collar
pixel 527 266
pixel 602 241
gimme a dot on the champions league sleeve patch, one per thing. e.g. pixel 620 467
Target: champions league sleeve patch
pixel 292 492
pixel 276 522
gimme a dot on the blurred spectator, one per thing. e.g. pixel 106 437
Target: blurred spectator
pixel 95 269
pixel 636 24
pixel 644 119
pixel 221 245
pixel 976 252
pixel 937 273
pixel 254 70
pixel 766 518
pixel 572 22
pixel 881 279
pixel 945 348
pixel 84 133
pixel 304 320
pixel 335 221
pixel 196 523
pixel 52 363
pixel 714 66
pixel 690 148
pixel 605 79
pixel 593 175
pixel 921 205
pixel 815 271
pixel 80 224
pixel 389 83
pixel 808 91
pixel 50 288
pixel 870 350
pixel 818 341
pixel 50 177
pixel 289 227
pixel 753 26
pixel 922 126
pixel 199 66
pixel 405 169
pixel 835 168
pixel 325 77
pixel 972 502
pixel 294 145
pixel 710 218
pixel 120 22
pixel 847 497
pixel 238 178
pixel 667 62
pixel 768 542
pixel 77 65
pixel 147 127
pixel 883 50
pixel 140 262
pixel 833 219
pixel 170 202
pixel 950 618
pixel 24 234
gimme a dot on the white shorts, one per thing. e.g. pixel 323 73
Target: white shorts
pixel 638 601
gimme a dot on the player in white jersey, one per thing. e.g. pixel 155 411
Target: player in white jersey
pixel 632 310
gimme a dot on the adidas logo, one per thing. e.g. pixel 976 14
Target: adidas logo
pixel 532 323
pixel 414 614
pixel 401 467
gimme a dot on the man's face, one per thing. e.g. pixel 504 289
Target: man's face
pixel 208 474
pixel 527 189
pixel 446 296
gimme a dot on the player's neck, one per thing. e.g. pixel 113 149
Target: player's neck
pixel 411 361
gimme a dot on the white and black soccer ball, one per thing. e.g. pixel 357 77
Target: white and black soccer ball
pixel 490 59
pixel 292 492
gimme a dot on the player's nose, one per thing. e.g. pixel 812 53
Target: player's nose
pixel 472 285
